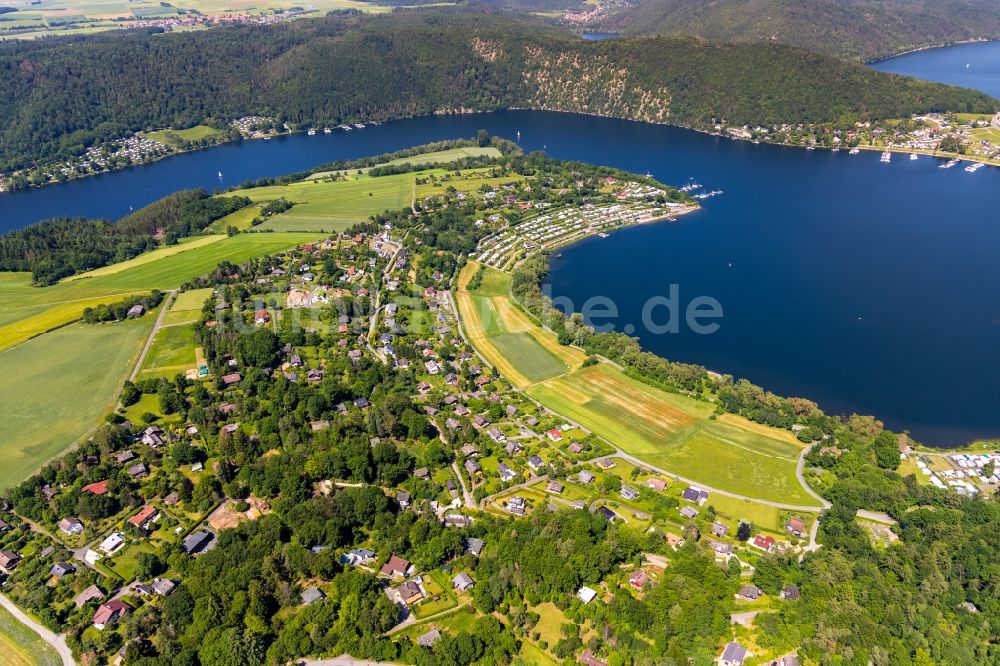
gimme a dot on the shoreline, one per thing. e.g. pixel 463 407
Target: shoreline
pixel 960 42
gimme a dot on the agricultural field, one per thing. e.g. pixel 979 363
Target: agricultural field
pixel 674 432
pixel 57 386
pixel 20 646
pixel 334 206
pixel 149 257
pixel 27 311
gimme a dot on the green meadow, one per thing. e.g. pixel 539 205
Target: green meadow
pixel 57 386
pixel 169 137
pixel 671 431
pixel 171 353
pixel 27 311
pixel 438 157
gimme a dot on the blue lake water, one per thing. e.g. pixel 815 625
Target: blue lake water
pixel 867 287
pixel 968 65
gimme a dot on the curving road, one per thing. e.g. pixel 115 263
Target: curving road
pixel 57 641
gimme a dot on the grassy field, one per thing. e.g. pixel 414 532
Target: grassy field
pixel 27 311
pixel 57 386
pixel 169 137
pixel 334 206
pixel 149 257
pixel 186 307
pixel 437 157
pixel 171 353
pixel 667 430
pixel 20 646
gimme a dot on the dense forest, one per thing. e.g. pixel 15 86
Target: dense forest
pixel 848 28
pixel 54 249
pixel 62 95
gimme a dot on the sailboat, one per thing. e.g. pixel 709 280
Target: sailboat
pixel 220 175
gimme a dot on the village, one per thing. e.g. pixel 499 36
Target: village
pixel 116 525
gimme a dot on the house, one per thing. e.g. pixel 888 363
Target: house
pixel 358 557
pixel 70 526
pixel 795 526
pixel 3 526
pixel 429 639
pixel 535 463
pixel 124 457
pixel 605 463
pixel 586 595
pixel 497 435
pixel 409 592
pixel 733 655
pixel 152 437
pixel 517 506
pixel 689 512
pixel 506 473
pixel 137 471
pixel 396 567
pixel 555 434
pixel 146 515
pixel 172 499
pixel 585 476
pixel 261 317
pixel 135 311
pixel 98 488
pixel 112 543
pixel 531 421
pixel 656 483
pixel 422 473
pixel 574 448
pixel 608 514
pixel 403 498
pixel 554 487
pixel 452 424
pixel 472 467
pixel 475 546
pixel 163 586
pixel 310 594
pixel 457 520
pixel 92 593
pixel 638 579
pixel 696 495
pixel 478 420
pixel 720 529
pixel 628 492
pixel 469 450
pixel 8 561
pixel 462 582
pixel 722 549
pixel 511 410
pixel 750 592
pixel 587 658
pixel 196 542
pixel 232 378
pixel 109 612
pixel 462 410
pixel 361 403
pixel 790 592
pixel 764 543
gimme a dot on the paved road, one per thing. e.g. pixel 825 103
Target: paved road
pixel 57 641
pixel 746 618
pixel 470 501
pixel 530 482
pixel 799 468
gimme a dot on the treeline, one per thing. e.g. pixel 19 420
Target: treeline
pixel 119 310
pixel 55 249
pixel 849 28
pixel 62 95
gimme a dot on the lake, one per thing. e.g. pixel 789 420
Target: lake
pixel 969 65
pixel 867 287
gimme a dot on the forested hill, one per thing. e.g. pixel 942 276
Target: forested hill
pixel 60 95
pixel 862 29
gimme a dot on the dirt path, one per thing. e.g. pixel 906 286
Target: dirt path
pixel 57 641
pixel 470 501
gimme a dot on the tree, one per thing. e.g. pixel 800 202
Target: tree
pixel 130 394
pixel 743 531
pixel 886 450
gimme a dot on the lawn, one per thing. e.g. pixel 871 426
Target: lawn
pixel 57 386
pixel 533 361
pixel 733 510
pixel 186 307
pixel 20 646
pixel 172 352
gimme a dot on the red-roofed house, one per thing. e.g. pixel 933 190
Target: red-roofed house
pixel 146 514
pixel 396 567
pixel 98 488
pixel 765 543
pixel 555 434
pixel 109 612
